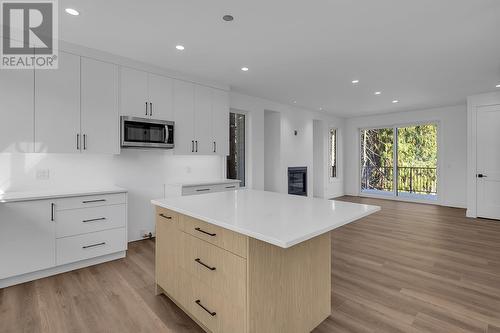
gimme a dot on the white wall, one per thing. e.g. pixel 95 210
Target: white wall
pixel 143 173
pixel 272 151
pixel 452 147
pixel 294 150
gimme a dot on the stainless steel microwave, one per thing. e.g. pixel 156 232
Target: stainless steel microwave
pixel 146 133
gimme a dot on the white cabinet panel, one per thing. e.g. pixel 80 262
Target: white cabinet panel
pixel 27 237
pixel 220 121
pixel 184 117
pixel 16 111
pixel 57 106
pixel 100 121
pixel 134 93
pixel 161 97
pixel 203 120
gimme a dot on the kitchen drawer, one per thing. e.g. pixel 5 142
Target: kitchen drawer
pixel 167 215
pixel 193 190
pixel 211 309
pixel 75 248
pixel 91 201
pixel 222 270
pixel 226 239
pixel 84 220
pixel 228 187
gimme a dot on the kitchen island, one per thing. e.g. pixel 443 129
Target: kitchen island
pixel 248 260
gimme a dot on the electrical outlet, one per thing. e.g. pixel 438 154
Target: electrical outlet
pixel 42 174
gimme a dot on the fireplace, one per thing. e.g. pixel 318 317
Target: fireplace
pixel 297 181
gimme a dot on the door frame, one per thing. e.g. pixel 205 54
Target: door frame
pixel 474 103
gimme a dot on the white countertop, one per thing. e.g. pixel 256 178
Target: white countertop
pixel 57 193
pixel 279 219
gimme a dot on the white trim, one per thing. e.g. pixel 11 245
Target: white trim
pixel 59 269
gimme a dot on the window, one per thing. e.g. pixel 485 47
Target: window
pixel 333 153
pixel 236 159
pixel 400 161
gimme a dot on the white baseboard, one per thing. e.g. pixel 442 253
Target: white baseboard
pixel 59 269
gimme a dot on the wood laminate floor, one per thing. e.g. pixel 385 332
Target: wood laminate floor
pixel 407 268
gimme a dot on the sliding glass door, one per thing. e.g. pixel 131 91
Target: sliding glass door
pixel 400 161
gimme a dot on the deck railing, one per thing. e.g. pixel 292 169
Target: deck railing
pixel 420 180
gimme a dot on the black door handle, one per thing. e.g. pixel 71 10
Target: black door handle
pixel 150 108
pixel 480 175
pixel 146 108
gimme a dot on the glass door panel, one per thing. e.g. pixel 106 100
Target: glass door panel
pixel 377 160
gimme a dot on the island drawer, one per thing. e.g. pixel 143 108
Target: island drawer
pixel 84 220
pixel 224 238
pixel 167 215
pixel 214 311
pixel 222 270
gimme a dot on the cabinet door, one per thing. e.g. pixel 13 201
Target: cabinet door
pixel 183 117
pixel 168 250
pixel 57 106
pixel 220 122
pixel 160 96
pixel 16 111
pixel 100 118
pixel 27 237
pixel 134 93
pixel 203 120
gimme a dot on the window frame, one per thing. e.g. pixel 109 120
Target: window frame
pixel 333 170
pixel 247 146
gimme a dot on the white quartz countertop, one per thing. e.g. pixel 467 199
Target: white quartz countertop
pixel 279 219
pixel 57 193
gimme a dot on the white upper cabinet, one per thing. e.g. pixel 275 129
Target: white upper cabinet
pixel 100 125
pixel 146 95
pixel 16 111
pixel 220 122
pixel 203 120
pixel 57 106
pixel 160 97
pixel 184 117
pixel 27 238
pixel 134 93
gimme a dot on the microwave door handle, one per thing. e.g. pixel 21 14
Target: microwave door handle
pixel 165 134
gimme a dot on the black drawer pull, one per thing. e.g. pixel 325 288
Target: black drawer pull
pixel 198 260
pixel 165 216
pixel 204 308
pixel 93 220
pixel 206 233
pixel 91 201
pixel 231 186
pixel 202 189
pixel 93 245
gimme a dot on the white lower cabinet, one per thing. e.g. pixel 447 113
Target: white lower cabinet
pixel 27 237
pixel 39 237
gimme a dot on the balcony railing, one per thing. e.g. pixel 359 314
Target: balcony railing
pixel 419 180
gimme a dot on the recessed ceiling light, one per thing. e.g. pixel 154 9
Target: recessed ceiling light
pixel 72 11
pixel 355 81
pixel 377 92
pixel 321 109
pixel 179 47
pixel 498 85
pixel 244 69
pixel 294 102
pixel 228 18
pixel 395 101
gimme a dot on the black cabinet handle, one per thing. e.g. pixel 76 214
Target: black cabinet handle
pixel 204 308
pixel 52 211
pixel 192 146
pixel 231 186
pixel 480 175
pixel 205 232
pixel 198 260
pixel 196 145
pixel 85 142
pixel 77 141
pixel 92 201
pixel 93 245
pixel 202 189
pixel 215 147
pixel 150 108
pixel 146 108
pixel 166 217
pixel 93 220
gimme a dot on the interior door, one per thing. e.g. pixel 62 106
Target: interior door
pixel 488 162
pixel 100 117
pixel 203 120
pixel 57 106
pixel 160 96
pixel 134 93
pixel 27 240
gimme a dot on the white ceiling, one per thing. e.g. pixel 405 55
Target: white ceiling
pixel 424 53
